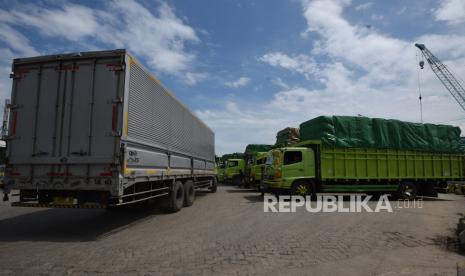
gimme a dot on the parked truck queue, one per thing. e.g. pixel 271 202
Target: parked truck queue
pixel 345 154
pixel 100 131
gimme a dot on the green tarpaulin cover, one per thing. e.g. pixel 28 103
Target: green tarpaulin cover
pixel 235 155
pixel 253 148
pixel 361 132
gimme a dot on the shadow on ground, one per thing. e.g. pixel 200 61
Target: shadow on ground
pixel 435 199
pixel 240 190
pixel 448 243
pixel 254 198
pixel 77 225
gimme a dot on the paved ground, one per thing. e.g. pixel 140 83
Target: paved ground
pixel 228 233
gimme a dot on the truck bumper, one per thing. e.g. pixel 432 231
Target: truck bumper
pixel 228 180
pixel 68 206
pixel 63 199
pixel 272 186
pixel 104 184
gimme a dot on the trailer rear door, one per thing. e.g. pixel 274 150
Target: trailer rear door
pixel 66 116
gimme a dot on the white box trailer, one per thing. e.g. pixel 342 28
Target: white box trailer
pixel 96 129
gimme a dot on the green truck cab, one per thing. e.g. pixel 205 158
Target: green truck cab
pixel 254 156
pixel 257 169
pixel 220 172
pixel 234 171
pixel 311 167
pixel 289 169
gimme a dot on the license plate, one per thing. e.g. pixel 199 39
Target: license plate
pixel 62 200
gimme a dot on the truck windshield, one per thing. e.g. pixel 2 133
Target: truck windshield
pixel 269 159
pixel 232 163
pixel 261 161
pixel 274 158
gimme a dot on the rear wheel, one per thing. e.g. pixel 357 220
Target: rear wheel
pixel 236 181
pixel 189 193
pixel 175 199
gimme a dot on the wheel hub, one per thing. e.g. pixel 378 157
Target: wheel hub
pixel 302 190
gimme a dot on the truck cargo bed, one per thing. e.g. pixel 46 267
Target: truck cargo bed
pixel 388 164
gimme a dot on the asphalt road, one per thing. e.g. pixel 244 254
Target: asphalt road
pixel 228 233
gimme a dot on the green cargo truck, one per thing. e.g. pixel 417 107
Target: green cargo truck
pixel 223 160
pixel 235 155
pixel 220 172
pixel 257 169
pixel 359 154
pixel 252 154
pixel 234 171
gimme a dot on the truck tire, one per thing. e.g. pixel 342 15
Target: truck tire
pixel 258 187
pixel 214 185
pixel 407 190
pixel 247 182
pixel 175 199
pixel 236 180
pixel 303 188
pixel 189 193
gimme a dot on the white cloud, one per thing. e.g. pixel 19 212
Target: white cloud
pixel 16 41
pixel 377 17
pixel 159 37
pixel 5 70
pixel 453 49
pixel 279 82
pixel 302 64
pixel 364 6
pixel 342 39
pixel 235 126
pixel 191 78
pixel 365 72
pixel 18 45
pixel 451 11
pixel 72 22
pixel 401 10
pixel 242 81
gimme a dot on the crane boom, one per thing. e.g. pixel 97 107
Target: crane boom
pixel 445 76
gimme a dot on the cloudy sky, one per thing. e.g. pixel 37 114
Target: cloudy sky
pixel 250 68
